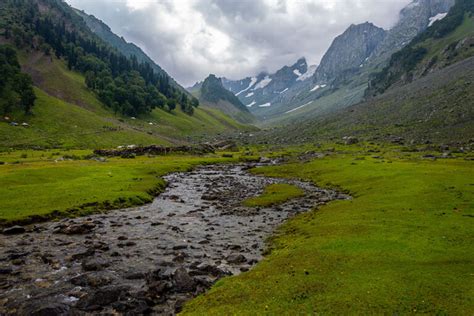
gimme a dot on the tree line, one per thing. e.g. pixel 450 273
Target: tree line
pixel 16 88
pixel 122 83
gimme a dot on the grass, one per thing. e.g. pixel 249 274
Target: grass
pixel 402 245
pixel 38 185
pixel 275 194
pixel 56 123
pixel 68 115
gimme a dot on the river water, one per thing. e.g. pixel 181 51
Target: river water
pixel 148 259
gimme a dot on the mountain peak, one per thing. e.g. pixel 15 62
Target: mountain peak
pixel 349 50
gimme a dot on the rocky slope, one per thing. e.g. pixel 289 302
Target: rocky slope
pixel 414 19
pixel 348 52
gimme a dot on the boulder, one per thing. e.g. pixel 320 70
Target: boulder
pixel 182 281
pixel 102 297
pixel 14 230
pixel 236 258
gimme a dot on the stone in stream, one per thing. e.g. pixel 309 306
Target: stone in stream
pixel 14 230
pixel 95 264
pixel 180 247
pixel 236 258
pixel 93 279
pixel 44 308
pixel 182 281
pixel 85 227
pixel 103 297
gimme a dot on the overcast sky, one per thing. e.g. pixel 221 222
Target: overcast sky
pixel 235 38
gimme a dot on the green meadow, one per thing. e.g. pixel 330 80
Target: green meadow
pixel 38 185
pixel 401 245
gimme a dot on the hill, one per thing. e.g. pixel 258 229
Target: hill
pixel 212 93
pixel 81 101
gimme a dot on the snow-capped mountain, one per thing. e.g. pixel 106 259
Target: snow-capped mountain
pixel 265 90
pixel 344 71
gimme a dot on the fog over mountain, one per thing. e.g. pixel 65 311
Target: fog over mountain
pixel 190 39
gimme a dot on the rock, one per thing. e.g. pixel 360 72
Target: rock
pixel 206 268
pixel 182 281
pixel 14 230
pixel 82 255
pixel 93 279
pixel 95 264
pixel 236 258
pixel 350 140
pixel 180 247
pixel 102 297
pixel 77 229
pixel 158 288
pixel 132 306
pixel 42 308
pixel 134 275
pixel 5 270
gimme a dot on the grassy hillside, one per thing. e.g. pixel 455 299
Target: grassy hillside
pixel 402 245
pixel 68 114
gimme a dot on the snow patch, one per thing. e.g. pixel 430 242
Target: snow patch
pixel 318 87
pixel 262 84
pixel 308 74
pixel 253 80
pixel 297 72
pixel 437 17
pixel 249 95
pixel 251 104
pixel 266 105
pixel 297 108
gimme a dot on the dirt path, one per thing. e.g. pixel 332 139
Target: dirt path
pixel 148 259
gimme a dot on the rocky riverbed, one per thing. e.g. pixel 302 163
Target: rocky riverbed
pixel 148 259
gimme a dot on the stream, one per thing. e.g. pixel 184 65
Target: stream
pixel 148 259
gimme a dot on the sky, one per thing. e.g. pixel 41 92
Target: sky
pixel 235 38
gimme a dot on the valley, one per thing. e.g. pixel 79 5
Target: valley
pixel 337 187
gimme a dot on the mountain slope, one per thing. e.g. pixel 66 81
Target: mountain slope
pixel 447 41
pixel 348 52
pixel 265 93
pixel 212 93
pixel 343 74
pixel 128 49
pixel 69 112
pixel 429 102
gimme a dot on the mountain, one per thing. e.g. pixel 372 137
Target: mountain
pixel 343 74
pixel 88 93
pixel 413 19
pixel 346 69
pixel 449 39
pixel 348 52
pixel 423 95
pixel 128 49
pixel 212 93
pixel 266 91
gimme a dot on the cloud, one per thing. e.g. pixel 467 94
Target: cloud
pixel 192 38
